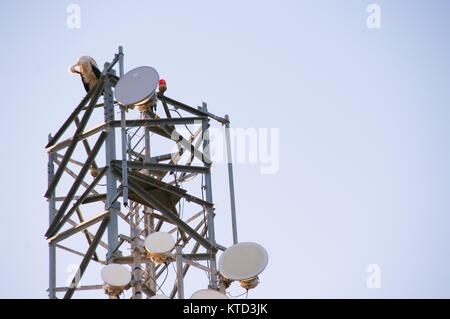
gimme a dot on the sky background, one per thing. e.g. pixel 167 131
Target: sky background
pixel 363 117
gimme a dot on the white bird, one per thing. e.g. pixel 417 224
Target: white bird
pixel 88 70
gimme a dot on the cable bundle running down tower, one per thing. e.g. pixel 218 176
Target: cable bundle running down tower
pixel 151 221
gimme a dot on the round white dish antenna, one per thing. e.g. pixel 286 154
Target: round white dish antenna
pixel 159 245
pixel 208 294
pixel 243 261
pixel 137 86
pixel 115 275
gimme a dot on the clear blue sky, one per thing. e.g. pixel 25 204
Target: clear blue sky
pixel 363 116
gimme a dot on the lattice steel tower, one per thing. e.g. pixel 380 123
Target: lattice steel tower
pixel 140 194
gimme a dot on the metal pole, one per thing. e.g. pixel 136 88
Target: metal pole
pixel 186 267
pixel 137 271
pixel 129 146
pixel 148 220
pixel 51 214
pixel 210 211
pixel 124 140
pixel 180 275
pixel 151 270
pixel 133 220
pixel 231 180
pixel 110 149
pixel 134 233
pixel 121 66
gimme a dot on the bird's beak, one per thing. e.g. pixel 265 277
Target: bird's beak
pixel 74 68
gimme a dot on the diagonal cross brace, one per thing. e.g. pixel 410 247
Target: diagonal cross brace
pixel 56 220
pixel 87 258
pixel 76 138
pixel 85 232
pixel 54 227
pixel 78 228
pixel 70 119
pixel 174 219
pixel 190 109
pixel 82 137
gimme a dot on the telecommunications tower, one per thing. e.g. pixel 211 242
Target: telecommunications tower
pixel 132 206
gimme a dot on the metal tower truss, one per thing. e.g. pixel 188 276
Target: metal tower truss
pixel 113 192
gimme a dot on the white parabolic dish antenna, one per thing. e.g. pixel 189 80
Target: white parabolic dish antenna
pixel 116 275
pixel 159 243
pixel 208 294
pixel 243 261
pixel 137 86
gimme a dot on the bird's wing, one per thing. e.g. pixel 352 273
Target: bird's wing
pixel 86 86
pixel 96 71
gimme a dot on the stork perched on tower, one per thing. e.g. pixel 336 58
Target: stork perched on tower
pixel 88 70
